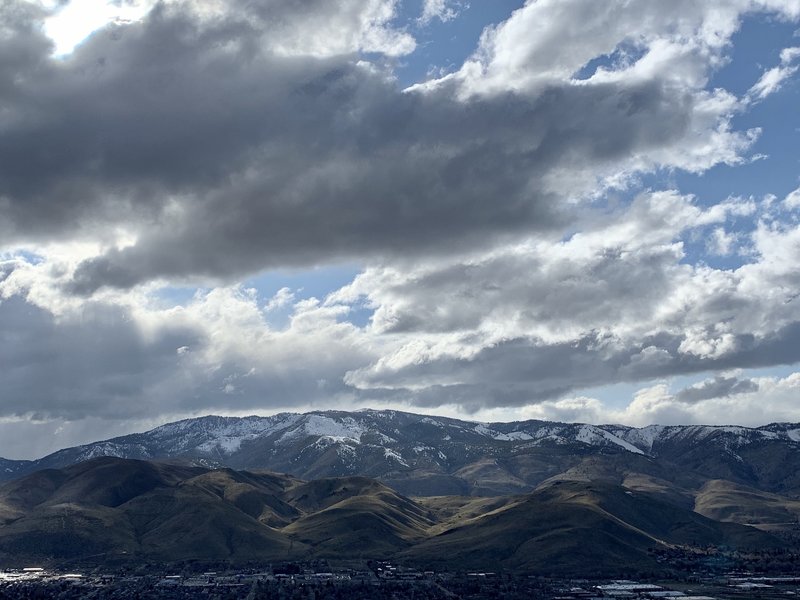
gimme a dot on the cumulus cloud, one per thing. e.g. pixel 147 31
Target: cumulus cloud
pixel 222 142
pixel 615 302
pixel 723 400
pixel 443 10
pixel 127 357
pixel 553 40
pixel 719 387
pixel 773 79
pixel 282 298
pixel 792 200
pixel 526 323
pixel 85 365
pixel 721 242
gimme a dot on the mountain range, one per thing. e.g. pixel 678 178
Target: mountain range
pixel 421 455
pixel 533 495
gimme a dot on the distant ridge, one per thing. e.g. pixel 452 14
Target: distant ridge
pixel 424 455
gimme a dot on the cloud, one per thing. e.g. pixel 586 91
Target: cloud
pixel 718 401
pixel 325 29
pixel 773 79
pixel 443 10
pixel 222 143
pixel 130 357
pixel 721 242
pixel 757 402
pixel 511 259
pixel 527 323
pixel 282 298
pixel 614 302
pixel 792 200
pixel 26 438
pixel 90 364
pixel 554 39
pixel 69 23
pixel 719 387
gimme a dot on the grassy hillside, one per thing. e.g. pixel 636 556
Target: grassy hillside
pixel 135 510
pixel 577 527
pixel 731 502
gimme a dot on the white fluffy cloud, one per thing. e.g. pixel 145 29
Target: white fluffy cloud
pixel 443 10
pixel 290 28
pixel 723 401
pixel 136 358
pixel 792 200
pixel 614 302
pixel 553 40
pixel 772 79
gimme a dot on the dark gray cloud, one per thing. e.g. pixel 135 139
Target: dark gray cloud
pixel 96 364
pixel 227 158
pixel 523 371
pixel 719 387
pixel 410 177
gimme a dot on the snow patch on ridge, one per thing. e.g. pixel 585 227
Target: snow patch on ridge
pixel 512 436
pixel 589 434
pixel 344 430
pixel 110 449
pixel 391 454
pixel 645 437
pixel 223 435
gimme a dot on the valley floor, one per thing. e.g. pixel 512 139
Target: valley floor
pixel 375 580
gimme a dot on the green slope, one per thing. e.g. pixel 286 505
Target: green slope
pixel 731 502
pixel 578 527
pixel 136 510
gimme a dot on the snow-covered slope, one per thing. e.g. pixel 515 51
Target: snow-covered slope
pixel 402 447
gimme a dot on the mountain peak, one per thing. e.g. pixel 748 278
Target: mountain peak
pixel 424 454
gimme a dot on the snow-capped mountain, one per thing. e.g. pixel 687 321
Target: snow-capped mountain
pixel 426 455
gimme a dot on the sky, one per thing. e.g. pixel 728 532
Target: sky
pixel 487 209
